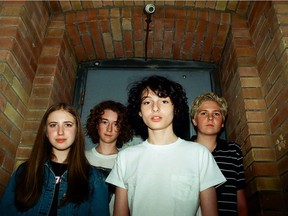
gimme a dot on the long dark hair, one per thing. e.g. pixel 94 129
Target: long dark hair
pixel 162 87
pixel 94 118
pixel 30 180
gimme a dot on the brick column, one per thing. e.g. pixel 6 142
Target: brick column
pixel 53 82
pixel 253 91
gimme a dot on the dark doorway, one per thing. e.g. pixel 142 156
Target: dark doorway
pixel 102 80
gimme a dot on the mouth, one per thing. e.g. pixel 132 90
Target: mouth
pixel 108 135
pixel 156 118
pixel 60 140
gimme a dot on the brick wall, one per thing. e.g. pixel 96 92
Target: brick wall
pixel 37 68
pixel 20 46
pixel 269 34
pixel 254 81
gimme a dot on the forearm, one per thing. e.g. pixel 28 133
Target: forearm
pixel 242 203
pixel 121 202
pixel 208 202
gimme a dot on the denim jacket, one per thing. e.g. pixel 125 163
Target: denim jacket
pixel 98 203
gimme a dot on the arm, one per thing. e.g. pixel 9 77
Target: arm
pixel 99 201
pixel 208 202
pixel 241 203
pixel 121 202
pixel 7 201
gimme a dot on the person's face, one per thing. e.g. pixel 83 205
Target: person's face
pixel 156 112
pixel 209 119
pixel 108 129
pixel 61 130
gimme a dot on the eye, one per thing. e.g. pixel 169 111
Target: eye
pixel 146 102
pixel 217 114
pixel 52 125
pixel 203 113
pixel 165 101
pixel 103 121
pixel 68 124
pixel 116 125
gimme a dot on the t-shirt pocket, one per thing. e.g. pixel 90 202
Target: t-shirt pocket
pixel 185 188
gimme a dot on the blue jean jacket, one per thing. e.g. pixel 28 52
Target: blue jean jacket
pixel 98 203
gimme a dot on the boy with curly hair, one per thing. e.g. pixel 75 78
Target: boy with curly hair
pixel 164 175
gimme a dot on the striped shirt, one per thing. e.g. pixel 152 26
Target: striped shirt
pixel 229 158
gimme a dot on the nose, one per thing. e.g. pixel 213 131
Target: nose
pixel 109 127
pixel 210 116
pixel 155 107
pixel 60 130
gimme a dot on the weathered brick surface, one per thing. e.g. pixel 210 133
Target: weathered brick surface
pixel 39 53
pixel 264 90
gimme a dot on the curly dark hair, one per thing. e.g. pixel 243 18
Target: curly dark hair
pixel 162 87
pixel 94 118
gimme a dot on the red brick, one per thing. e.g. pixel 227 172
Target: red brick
pixel 23 152
pixel 137 25
pixel 128 45
pixel 65 5
pixel 256 116
pixel 251 93
pixel 168 40
pixel 254 104
pixel 7 144
pixel 179 29
pixel 116 29
pixel 108 44
pixel 279 117
pixel 89 48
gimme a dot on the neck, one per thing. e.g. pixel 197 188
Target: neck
pixel 60 156
pixel 161 137
pixel 106 149
pixel 209 141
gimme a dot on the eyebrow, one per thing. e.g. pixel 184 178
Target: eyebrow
pixel 217 110
pixel 145 97
pixel 108 119
pixel 64 122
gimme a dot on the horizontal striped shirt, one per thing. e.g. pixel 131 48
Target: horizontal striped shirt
pixel 229 158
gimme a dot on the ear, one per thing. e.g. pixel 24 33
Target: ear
pixel 140 114
pixel 194 122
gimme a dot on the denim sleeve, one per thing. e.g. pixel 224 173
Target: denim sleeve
pixel 7 202
pixel 100 195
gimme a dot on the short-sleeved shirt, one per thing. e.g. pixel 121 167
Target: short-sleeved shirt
pixel 165 179
pixel 229 158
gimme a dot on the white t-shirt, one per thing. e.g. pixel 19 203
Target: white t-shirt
pixel 106 161
pixel 165 179
pixel 99 160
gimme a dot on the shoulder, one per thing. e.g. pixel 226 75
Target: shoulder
pixel 89 151
pixel 132 149
pixel 231 146
pixel 193 145
pixel 193 149
pixel 97 181
pixel 20 168
pixel 96 175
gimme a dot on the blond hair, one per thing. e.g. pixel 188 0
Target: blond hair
pixel 209 96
